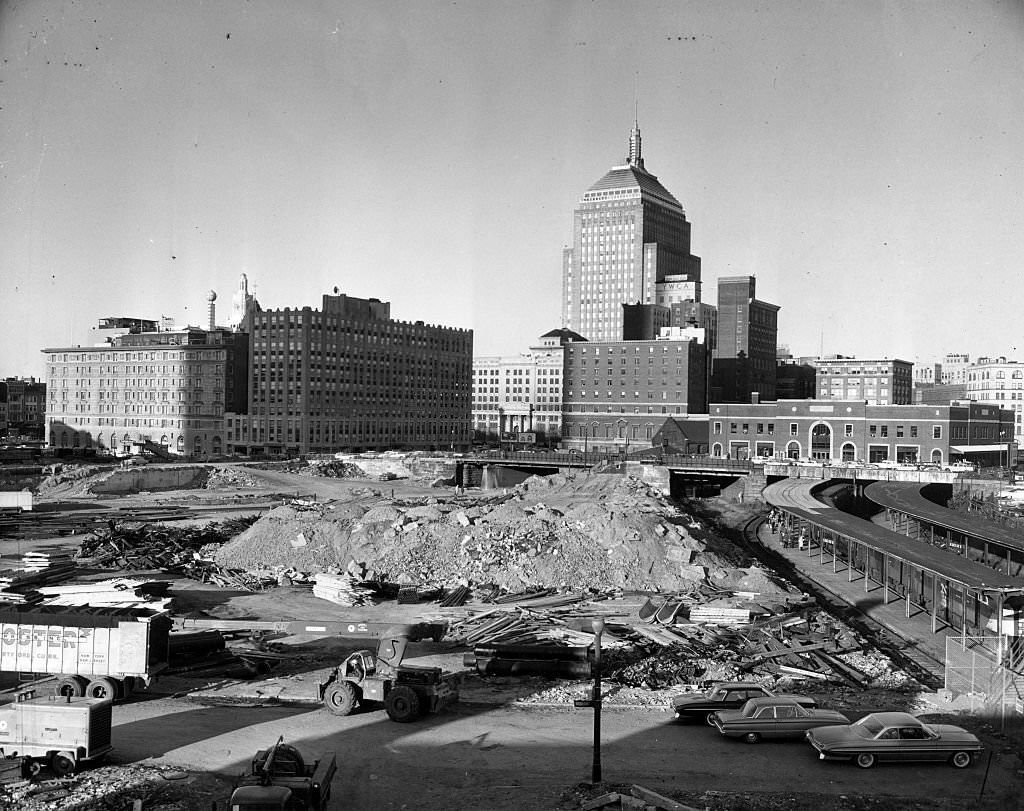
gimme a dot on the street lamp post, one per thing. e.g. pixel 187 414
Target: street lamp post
pixel 595 701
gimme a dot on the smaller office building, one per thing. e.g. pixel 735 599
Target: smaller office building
pixel 847 431
pixel 618 394
pixel 518 398
pixel 879 382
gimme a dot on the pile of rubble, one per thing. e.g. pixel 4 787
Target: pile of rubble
pixel 333 469
pixel 230 477
pixel 598 532
pixel 157 788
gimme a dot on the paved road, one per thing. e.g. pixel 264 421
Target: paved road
pixel 504 758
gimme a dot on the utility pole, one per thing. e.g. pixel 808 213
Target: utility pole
pixel 595 701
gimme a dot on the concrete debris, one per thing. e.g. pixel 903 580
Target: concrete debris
pixel 565 532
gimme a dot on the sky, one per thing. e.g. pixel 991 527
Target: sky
pixel 861 160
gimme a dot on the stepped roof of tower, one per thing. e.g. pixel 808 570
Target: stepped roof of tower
pixel 631 176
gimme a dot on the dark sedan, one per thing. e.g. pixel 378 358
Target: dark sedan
pixel 776 717
pixel 730 695
pixel 895 736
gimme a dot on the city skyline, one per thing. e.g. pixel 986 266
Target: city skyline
pixel 859 161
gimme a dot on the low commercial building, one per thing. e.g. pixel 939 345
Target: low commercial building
pixel 854 430
pixel 518 398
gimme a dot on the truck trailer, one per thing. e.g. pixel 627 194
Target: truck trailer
pixel 94 652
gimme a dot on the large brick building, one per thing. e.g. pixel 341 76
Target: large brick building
pixel 347 376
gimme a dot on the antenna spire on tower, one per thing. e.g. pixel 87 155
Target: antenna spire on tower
pixel 635 155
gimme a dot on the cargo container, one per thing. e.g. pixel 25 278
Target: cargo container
pixel 16 500
pixel 94 652
pixel 61 731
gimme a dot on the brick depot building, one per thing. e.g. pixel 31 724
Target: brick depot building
pixel 853 430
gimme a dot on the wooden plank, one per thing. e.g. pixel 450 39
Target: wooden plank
pixel 785 651
pixel 659 800
pixel 799 671
pixel 601 802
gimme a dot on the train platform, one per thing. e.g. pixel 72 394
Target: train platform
pixel 920 644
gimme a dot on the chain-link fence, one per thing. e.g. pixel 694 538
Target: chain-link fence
pixel 973 671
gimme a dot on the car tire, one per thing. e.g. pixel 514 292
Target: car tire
pixel 961 760
pixel 752 737
pixel 865 760
pixel 709 719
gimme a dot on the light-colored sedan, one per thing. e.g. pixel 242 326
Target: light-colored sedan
pixel 774 717
pixel 895 736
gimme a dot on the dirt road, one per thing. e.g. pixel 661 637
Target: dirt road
pixel 502 759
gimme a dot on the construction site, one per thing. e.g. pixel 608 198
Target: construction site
pixel 280 606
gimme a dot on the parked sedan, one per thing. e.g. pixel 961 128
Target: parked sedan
pixel 894 736
pixel 730 695
pixel 774 717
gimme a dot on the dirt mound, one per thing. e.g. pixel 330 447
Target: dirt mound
pixel 597 531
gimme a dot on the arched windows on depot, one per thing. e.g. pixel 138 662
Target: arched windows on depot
pixel 821 441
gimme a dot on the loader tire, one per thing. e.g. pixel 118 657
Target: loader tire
pixel 341 699
pixel 402 704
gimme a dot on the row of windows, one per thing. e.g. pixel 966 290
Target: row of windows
pixel 768 429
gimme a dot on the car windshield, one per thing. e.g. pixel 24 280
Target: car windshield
pixel 868 725
pixel 718 694
pixel 750 709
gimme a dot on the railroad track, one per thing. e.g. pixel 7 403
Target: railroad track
pixel 898 645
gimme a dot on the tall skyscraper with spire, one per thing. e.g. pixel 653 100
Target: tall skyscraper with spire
pixel 629 235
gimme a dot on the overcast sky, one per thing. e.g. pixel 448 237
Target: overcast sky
pixel 862 159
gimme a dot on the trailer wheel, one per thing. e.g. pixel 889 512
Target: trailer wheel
pixel 102 688
pixel 62 764
pixel 340 698
pixel 402 704
pixel 73 686
pixel 30 767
